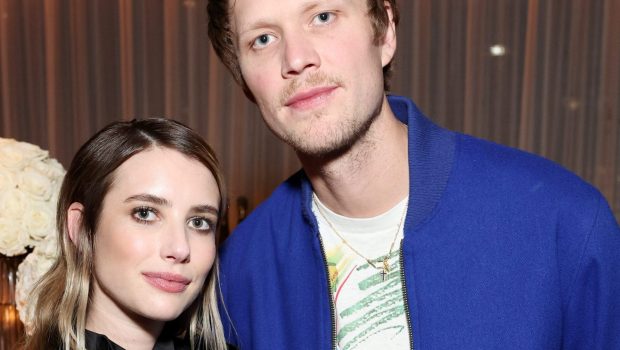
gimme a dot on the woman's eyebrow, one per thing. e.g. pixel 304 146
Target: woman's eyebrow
pixel 145 197
pixel 206 208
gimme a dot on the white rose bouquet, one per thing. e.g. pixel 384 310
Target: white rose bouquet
pixel 29 186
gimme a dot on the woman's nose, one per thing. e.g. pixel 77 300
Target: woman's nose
pixel 175 245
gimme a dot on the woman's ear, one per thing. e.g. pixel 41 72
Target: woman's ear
pixel 74 221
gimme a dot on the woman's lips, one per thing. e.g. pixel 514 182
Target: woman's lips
pixel 310 98
pixel 167 282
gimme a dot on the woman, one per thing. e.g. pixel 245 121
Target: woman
pixel 137 216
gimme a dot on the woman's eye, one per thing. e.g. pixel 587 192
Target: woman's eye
pixel 263 40
pixel 201 224
pixel 144 214
pixel 324 18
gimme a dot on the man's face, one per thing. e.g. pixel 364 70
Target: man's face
pixel 313 68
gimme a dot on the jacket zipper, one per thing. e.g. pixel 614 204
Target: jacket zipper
pixel 405 299
pixel 332 307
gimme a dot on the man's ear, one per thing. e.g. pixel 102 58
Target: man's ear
pixel 389 39
pixel 74 221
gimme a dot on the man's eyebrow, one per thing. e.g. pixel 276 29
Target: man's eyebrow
pixel 311 5
pixel 145 197
pixel 263 22
pixel 259 23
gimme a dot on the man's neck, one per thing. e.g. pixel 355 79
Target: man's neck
pixel 370 177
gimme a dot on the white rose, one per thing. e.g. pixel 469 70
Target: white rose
pixel 13 238
pixel 15 154
pixel 38 220
pixel 35 184
pixel 29 272
pixel 45 264
pixel 12 204
pixel 25 280
pixel 29 187
pixel 7 180
pixel 51 168
pixel 27 276
pixel 48 247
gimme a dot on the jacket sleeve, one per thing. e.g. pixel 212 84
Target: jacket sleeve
pixel 223 301
pixel 592 309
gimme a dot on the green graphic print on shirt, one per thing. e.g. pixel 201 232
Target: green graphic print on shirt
pixel 370 311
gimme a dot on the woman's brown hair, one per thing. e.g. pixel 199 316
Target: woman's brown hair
pixel 63 293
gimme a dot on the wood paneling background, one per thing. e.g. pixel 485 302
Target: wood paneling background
pixel 68 67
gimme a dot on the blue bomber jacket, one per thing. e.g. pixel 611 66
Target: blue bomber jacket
pixel 502 250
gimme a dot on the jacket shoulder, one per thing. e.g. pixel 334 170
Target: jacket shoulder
pixel 520 172
pixel 266 219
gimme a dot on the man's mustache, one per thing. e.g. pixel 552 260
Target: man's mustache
pixel 314 79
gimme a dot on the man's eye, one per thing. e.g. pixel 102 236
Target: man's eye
pixel 263 40
pixel 324 18
pixel 201 224
pixel 144 214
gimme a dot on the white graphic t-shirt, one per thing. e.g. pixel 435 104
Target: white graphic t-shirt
pixel 370 312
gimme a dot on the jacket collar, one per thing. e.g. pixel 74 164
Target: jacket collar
pixel 431 156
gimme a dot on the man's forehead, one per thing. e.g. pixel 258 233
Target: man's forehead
pixel 246 14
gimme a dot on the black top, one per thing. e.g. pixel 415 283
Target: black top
pixel 96 341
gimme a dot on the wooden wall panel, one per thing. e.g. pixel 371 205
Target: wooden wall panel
pixel 69 67
pixel 607 143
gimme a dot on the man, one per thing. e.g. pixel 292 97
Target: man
pixel 397 233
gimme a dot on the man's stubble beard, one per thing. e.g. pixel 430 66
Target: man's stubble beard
pixel 340 137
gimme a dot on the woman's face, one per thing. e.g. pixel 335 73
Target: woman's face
pixel 155 242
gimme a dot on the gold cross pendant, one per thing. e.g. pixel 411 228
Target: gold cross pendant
pixel 383 274
pixel 386 268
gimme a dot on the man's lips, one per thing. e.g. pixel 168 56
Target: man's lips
pixel 168 282
pixel 309 98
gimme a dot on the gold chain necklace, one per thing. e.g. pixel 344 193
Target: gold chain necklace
pixel 385 269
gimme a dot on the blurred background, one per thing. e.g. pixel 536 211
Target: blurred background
pixel 540 75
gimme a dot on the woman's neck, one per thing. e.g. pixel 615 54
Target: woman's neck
pixel 124 330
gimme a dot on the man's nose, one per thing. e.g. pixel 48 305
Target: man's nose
pixel 299 54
